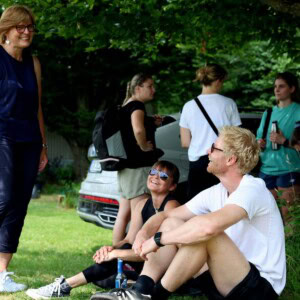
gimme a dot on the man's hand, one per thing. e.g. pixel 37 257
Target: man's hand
pixel 103 254
pixel 139 240
pixel 148 247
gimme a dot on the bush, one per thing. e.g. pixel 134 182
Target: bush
pixel 57 173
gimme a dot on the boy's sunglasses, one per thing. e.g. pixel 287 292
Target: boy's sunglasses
pixel 162 175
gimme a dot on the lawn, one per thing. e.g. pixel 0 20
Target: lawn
pixel 55 241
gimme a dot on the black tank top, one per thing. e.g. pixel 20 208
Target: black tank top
pixel 18 98
pixel 148 210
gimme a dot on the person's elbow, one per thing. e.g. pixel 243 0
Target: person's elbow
pixel 185 144
pixel 208 229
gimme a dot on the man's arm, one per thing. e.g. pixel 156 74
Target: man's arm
pixel 198 228
pixel 153 224
pixel 204 227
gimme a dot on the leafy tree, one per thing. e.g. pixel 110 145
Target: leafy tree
pixel 89 49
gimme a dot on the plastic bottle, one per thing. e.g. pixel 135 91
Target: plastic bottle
pixel 274 128
pixel 121 279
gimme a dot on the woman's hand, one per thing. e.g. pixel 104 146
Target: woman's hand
pixel 147 147
pixel 277 137
pixel 158 120
pixel 103 254
pixel 261 143
pixel 43 160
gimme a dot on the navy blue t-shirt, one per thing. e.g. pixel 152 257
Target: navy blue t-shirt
pixel 18 98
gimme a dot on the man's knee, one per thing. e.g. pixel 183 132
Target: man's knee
pixel 170 223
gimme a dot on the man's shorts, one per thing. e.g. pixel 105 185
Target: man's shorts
pixel 252 287
pixel 284 180
pixel 133 182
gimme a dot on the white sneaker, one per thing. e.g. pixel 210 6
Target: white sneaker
pixel 52 290
pixel 7 285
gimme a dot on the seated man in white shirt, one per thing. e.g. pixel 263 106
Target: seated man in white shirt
pixel 231 234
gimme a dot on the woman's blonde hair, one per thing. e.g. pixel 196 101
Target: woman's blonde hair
pixel 12 16
pixel 241 143
pixel 137 80
pixel 210 73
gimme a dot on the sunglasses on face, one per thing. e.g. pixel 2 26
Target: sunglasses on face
pixel 162 175
pixel 22 28
pixel 212 148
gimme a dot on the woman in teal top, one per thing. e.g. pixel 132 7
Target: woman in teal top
pixel 281 168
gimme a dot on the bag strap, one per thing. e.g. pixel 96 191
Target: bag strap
pixel 266 125
pixel 207 116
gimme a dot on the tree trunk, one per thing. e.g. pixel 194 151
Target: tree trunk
pixel 81 163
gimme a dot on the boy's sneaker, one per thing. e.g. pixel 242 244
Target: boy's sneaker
pixel 7 285
pixel 52 290
pixel 121 294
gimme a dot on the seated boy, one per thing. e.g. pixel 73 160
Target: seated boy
pixel 162 179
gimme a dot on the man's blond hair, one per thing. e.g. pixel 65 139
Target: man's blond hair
pixel 241 143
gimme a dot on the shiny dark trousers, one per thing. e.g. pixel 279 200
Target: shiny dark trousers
pixel 18 171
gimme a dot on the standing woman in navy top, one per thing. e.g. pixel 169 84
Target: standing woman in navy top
pixel 23 148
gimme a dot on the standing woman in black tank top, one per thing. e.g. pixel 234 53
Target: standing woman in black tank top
pixel 23 148
pixel 138 135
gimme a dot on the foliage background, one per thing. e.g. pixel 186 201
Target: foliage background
pixel 89 50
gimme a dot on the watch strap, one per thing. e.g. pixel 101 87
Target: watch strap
pixel 157 238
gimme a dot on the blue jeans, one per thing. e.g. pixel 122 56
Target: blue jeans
pixel 18 170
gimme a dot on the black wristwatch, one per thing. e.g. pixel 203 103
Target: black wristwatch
pixel 157 238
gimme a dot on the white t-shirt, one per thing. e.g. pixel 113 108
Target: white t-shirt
pixel 222 111
pixel 260 237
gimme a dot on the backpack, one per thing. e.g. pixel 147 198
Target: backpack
pixel 108 141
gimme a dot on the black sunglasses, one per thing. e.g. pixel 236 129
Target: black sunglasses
pixel 212 148
pixel 162 175
pixel 22 28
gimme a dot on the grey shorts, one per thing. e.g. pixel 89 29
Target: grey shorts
pixel 133 182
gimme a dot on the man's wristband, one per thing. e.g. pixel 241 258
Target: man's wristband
pixel 45 146
pixel 157 238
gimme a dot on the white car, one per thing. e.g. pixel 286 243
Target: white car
pixel 99 197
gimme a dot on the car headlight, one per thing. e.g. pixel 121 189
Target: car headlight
pixel 91 153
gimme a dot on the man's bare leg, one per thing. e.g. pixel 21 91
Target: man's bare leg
pixel 158 262
pixel 226 263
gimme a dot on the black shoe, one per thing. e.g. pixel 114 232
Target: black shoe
pixel 121 294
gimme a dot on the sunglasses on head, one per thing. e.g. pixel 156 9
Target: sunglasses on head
pixel 162 175
pixel 212 148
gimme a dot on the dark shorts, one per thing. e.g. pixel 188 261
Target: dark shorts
pixel 252 287
pixel 284 180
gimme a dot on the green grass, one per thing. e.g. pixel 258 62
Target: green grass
pixel 56 241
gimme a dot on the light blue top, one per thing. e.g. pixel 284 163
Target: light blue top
pixel 284 160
